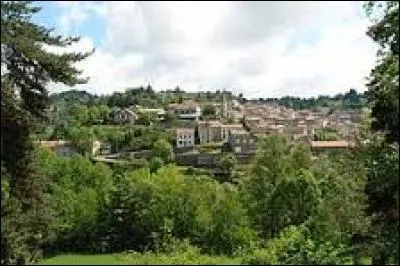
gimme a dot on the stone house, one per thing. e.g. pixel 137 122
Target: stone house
pixel 188 110
pixel 227 129
pixel 214 131
pixel 209 131
pixel 185 137
pixel 240 141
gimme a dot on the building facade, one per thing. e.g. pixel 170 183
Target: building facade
pixel 188 110
pixel 185 137
pixel 241 141
pixel 214 131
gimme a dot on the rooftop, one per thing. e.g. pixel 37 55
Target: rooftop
pixel 211 123
pixel 233 125
pixel 187 104
pixel 189 130
pixel 331 144
pixel 239 132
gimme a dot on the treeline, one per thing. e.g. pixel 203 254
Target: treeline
pixel 143 96
pixel 287 209
pixel 148 97
pixel 348 100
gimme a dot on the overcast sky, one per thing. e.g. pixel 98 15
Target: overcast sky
pixel 262 49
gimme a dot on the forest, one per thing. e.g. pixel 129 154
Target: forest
pixel 288 206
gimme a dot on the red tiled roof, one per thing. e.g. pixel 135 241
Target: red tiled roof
pixel 331 144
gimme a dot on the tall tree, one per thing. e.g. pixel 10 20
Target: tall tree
pixel 383 90
pixel 381 159
pixel 27 66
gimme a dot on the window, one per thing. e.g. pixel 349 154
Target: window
pixel 180 142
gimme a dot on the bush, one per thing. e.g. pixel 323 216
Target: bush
pixel 79 192
pixel 293 247
pixel 148 210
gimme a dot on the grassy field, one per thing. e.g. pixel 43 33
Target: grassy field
pixel 124 258
pixel 138 258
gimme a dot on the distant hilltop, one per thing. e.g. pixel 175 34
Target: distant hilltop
pixel 148 97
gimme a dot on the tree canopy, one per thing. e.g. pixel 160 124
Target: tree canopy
pixel 28 66
pixel 383 86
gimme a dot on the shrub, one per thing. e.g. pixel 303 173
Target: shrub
pixel 293 247
pixel 149 211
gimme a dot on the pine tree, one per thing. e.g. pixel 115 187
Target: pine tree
pixel 27 66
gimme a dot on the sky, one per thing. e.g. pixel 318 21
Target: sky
pixel 260 49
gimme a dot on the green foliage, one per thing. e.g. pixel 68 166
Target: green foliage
pixel 187 256
pixel 145 97
pixel 341 212
pixel 149 209
pixel 326 135
pixel 228 163
pixel 163 150
pixel 27 68
pixel 349 100
pixel 82 139
pixel 287 188
pixel 301 157
pixel 156 163
pixel 383 91
pixel 79 191
pixel 292 246
pixel 209 110
pixel 145 118
pixel 381 161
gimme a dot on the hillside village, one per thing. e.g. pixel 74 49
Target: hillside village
pixel 203 130
pixel 113 172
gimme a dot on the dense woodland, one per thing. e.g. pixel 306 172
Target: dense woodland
pixel 287 207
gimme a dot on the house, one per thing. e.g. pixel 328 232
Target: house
pixel 185 137
pixel 214 131
pixel 226 130
pixel 188 110
pixel 296 132
pixel 240 141
pixel 252 120
pixel 209 131
pixel 121 116
pixel 66 147
pixel 235 116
